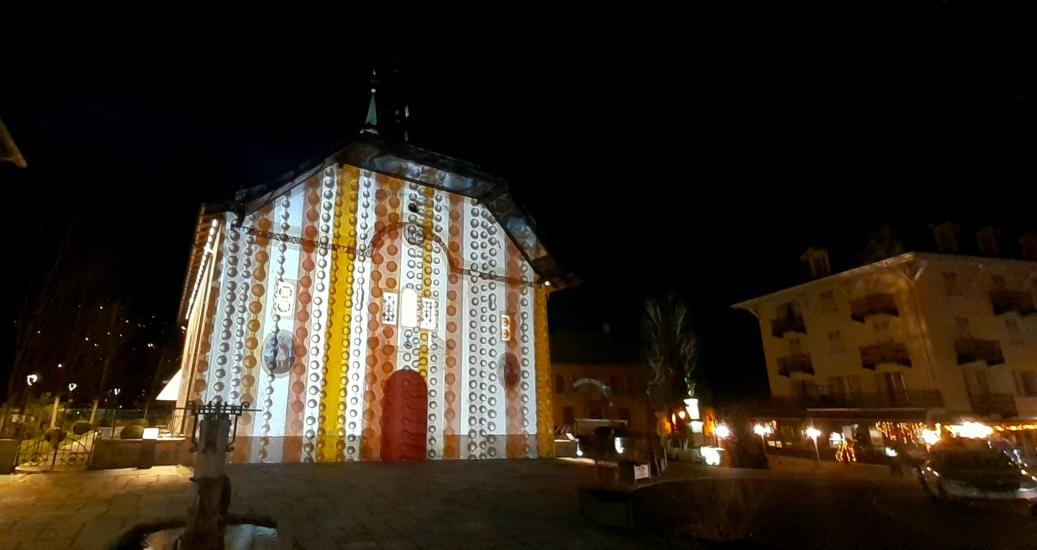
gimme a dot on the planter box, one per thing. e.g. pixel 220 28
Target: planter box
pixel 126 453
pixel 8 450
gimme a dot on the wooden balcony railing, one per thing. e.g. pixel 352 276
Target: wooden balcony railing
pixel 885 352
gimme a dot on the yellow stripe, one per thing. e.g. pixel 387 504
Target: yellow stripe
pixel 545 412
pixel 426 274
pixel 331 435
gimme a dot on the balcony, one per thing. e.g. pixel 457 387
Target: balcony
pixel 799 362
pixel 1005 301
pixel 916 399
pixel 994 404
pixel 971 350
pixel 873 304
pixel 887 352
pixel 787 322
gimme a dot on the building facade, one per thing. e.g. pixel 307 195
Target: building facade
pixel 939 334
pixel 600 391
pixel 387 304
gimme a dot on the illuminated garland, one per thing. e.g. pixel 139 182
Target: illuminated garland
pixel 902 432
pixel 845 452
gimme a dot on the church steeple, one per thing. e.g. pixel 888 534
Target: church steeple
pixel 371 124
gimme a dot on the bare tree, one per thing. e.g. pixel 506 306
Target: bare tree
pixel 670 351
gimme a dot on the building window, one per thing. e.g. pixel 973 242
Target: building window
pixel 1026 383
pixel 559 383
pixel 828 302
pixel 950 284
pixel 891 385
pixel 568 416
pixel 844 387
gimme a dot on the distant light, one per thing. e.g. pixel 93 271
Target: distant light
pixel 682 414
pixel 813 433
pixel 723 432
pixel 72 386
pixel 547 283
pixel 618 445
pixel 150 345
pixel 60 365
pixel 930 437
pixel 890 452
pixel 762 430
pixel 117 390
pixel 696 426
pixel 150 433
pixel 579 451
pixel 86 338
pixel 32 379
pixel 835 439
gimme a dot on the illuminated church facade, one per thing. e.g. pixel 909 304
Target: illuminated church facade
pixel 387 304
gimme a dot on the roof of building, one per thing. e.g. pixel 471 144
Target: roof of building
pixel 408 163
pixel 901 259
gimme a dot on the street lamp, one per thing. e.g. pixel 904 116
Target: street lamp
pixel 813 433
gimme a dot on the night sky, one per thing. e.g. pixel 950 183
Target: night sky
pixel 703 156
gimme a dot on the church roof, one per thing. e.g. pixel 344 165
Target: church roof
pixel 413 164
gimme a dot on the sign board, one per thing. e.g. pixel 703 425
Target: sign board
pixel 429 316
pixel 18 418
pixel 642 471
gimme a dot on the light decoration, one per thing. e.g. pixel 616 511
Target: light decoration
pixel 970 430
pixel 835 439
pixel 1014 427
pixel 691 405
pixel 618 444
pixel 72 386
pixel 845 452
pixel 890 452
pixel 682 415
pixel 711 455
pixel 32 379
pixel 762 430
pixel 930 437
pixel 813 433
pixel 117 391
pixel 723 432
pixel 902 432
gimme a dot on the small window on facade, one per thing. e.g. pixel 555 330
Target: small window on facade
pixel 828 301
pixel 950 283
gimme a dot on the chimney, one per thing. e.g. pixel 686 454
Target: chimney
pixel 946 236
pixel 816 261
pixel 989 241
pixel 1028 244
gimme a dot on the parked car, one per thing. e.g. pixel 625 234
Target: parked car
pixel 962 469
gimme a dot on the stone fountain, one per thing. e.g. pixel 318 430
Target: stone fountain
pixel 209 525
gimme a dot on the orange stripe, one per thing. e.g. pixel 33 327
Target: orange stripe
pixel 455 324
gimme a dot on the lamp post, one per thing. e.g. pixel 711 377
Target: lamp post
pixel 763 432
pixel 813 433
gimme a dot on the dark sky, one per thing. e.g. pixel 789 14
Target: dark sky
pixel 702 153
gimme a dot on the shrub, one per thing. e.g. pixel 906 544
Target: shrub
pixel 54 435
pixel 132 431
pixel 81 427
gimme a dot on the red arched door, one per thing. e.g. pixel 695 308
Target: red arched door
pixel 404 417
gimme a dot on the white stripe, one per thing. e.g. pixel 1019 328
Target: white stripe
pixel 361 298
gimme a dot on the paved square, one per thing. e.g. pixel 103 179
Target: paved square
pixel 449 504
